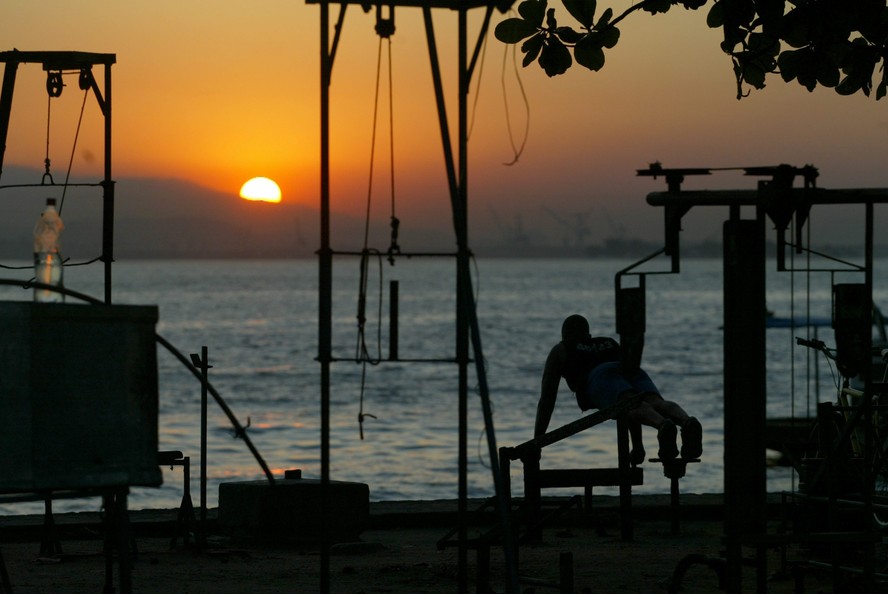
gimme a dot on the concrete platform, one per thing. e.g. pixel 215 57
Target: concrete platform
pixel 291 510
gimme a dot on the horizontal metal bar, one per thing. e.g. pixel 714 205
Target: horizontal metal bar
pixel 58 60
pixel 358 360
pixel 502 5
pixel 407 255
pixel 755 198
pixel 53 185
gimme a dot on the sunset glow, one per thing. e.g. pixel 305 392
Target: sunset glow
pixel 261 189
pixel 667 93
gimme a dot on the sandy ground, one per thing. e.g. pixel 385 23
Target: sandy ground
pixel 403 559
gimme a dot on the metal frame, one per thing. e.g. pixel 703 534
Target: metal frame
pixel 82 61
pixel 467 329
pixel 744 321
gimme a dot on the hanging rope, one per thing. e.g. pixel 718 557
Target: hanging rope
pixel 517 150
pixel 46 162
pixel 385 27
pixel 54 86
pixel 394 248
pixel 362 352
pixel 477 89
pixel 74 145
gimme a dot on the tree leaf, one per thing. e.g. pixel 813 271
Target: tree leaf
pixel 533 11
pixel 568 35
pixel 531 48
pixel 588 52
pixel 551 21
pixel 609 37
pixel 754 75
pixel 827 71
pixel 582 10
pixel 513 30
pixel 789 63
pixel 716 16
pixel 848 86
pixel 555 57
pixel 657 6
pixel 606 17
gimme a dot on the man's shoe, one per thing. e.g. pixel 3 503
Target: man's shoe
pixel 666 437
pixel 691 439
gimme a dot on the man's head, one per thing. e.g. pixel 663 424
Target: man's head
pixel 575 327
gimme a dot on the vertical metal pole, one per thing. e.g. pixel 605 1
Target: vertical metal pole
pixel 466 315
pixel 462 321
pixel 869 551
pixel 745 388
pixel 108 194
pixel 6 106
pixel 204 379
pixel 325 290
pixel 393 320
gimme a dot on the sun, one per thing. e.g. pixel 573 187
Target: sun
pixel 261 189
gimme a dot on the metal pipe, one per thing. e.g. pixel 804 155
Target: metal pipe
pixel 325 290
pixel 108 198
pixel 393 320
pixel 204 382
pixel 6 106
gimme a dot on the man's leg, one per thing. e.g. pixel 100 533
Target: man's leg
pixel 637 455
pixel 691 430
pixel 646 414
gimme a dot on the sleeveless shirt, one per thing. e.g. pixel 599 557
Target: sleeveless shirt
pixel 585 355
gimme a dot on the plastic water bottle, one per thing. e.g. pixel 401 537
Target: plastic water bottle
pixel 47 259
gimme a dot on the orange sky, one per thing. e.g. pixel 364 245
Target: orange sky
pixel 218 92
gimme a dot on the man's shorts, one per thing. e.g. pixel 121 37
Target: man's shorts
pixel 606 383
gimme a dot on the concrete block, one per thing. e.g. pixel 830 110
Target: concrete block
pixel 290 510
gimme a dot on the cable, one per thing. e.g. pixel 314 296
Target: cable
pixel 73 150
pixel 385 28
pixel 517 151
pixel 477 89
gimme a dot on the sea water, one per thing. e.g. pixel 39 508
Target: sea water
pixel 259 322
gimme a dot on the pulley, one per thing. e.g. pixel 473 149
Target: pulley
pixel 54 84
pixel 385 27
pixel 86 79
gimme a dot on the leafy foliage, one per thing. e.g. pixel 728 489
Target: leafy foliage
pixel 831 43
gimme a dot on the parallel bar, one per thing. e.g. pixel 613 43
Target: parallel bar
pixel 574 427
pixel 579 477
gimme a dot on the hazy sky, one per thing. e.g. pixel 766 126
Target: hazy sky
pixel 218 92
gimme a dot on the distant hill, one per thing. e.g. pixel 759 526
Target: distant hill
pixel 168 218
pixel 173 218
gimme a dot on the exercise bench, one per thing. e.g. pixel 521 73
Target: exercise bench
pixel 625 475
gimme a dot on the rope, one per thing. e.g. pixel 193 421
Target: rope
pixel 477 89
pixel 362 353
pixel 73 150
pixel 46 162
pixel 394 248
pixel 385 28
pixel 517 151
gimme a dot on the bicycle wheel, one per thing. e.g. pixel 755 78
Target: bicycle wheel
pixel 880 470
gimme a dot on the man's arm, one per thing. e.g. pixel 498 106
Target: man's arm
pixel 549 389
